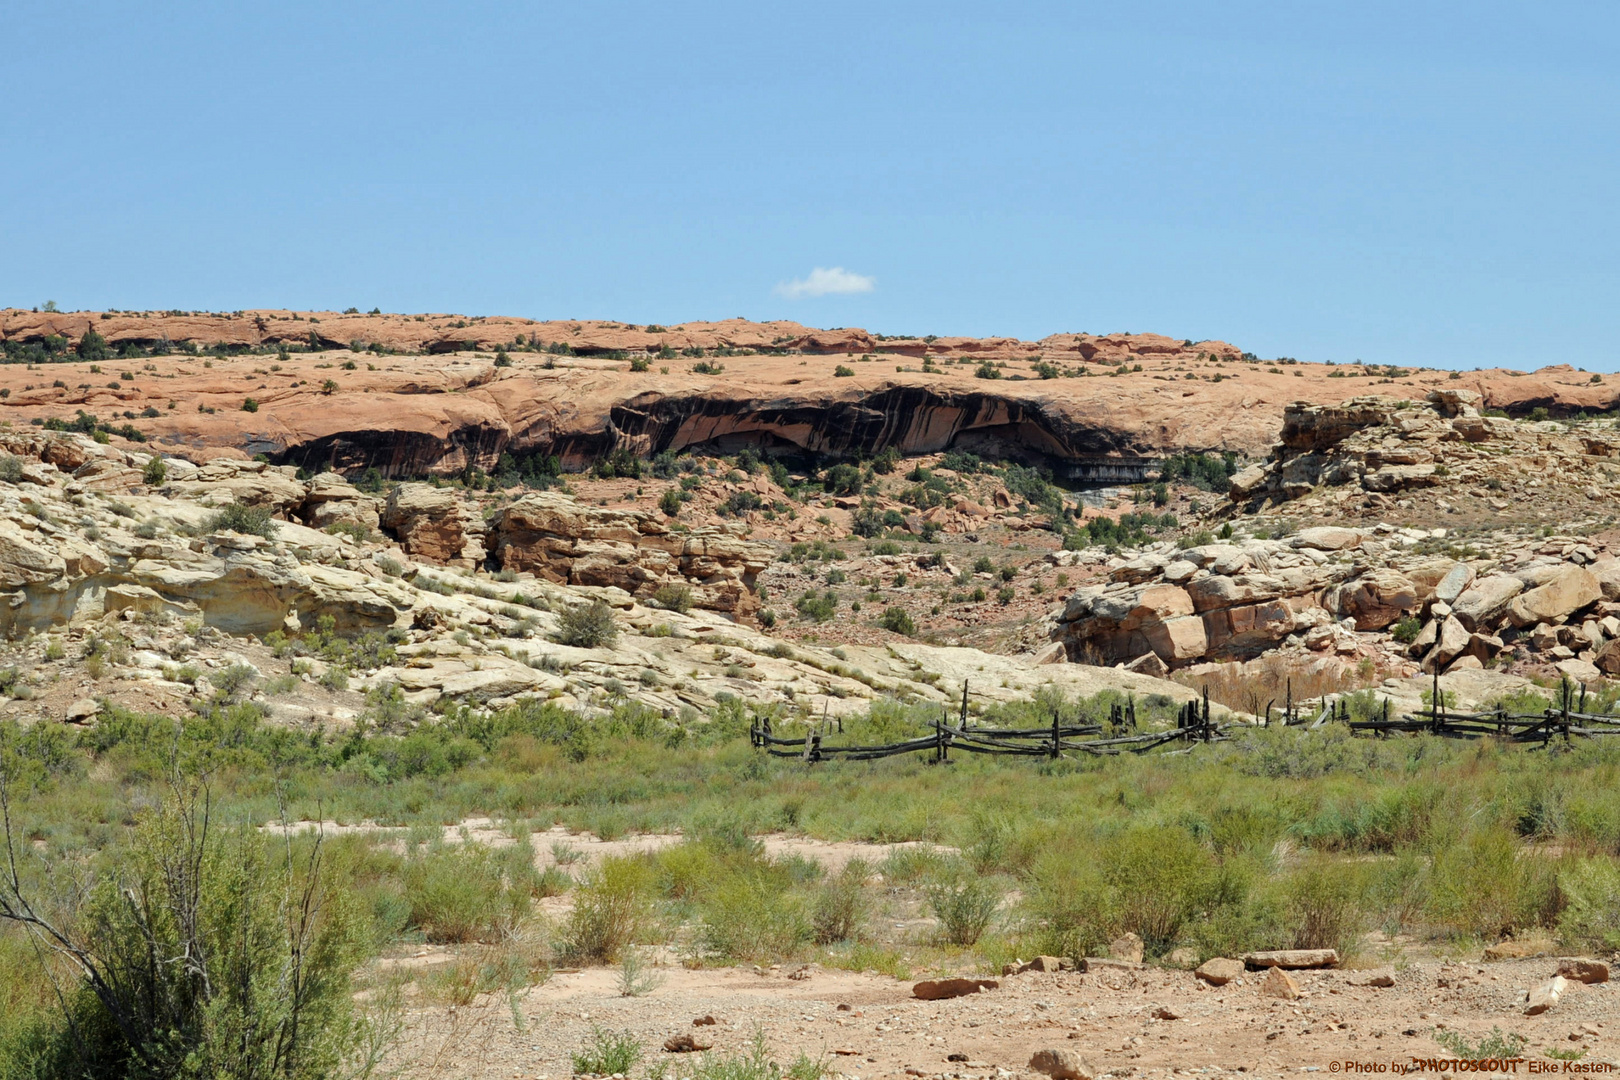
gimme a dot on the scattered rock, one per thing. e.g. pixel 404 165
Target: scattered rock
pixel 1279 984
pixel 1292 958
pixel 1220 970
pixel 1383 977
pixel 82 710
pixel 686 1044
pixel 1126 947
pixel 1182 957
pixel 1062 1065
pixel 1509 949
pixel 1049 963
pixel 710 1021
pixel 938 989
pixel 1545 996
pixel 1108 963
pixel 1164 1012
pixel 1584 971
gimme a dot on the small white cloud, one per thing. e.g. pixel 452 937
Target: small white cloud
pixel 824 281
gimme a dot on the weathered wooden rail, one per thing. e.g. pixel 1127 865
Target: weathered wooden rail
pixel 1565 721
pixel 1057 741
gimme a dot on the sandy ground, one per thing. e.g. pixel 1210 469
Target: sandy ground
pixel 871 1026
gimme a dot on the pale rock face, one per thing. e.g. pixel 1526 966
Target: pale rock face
pixel 249 482
pixel 1449 644
pixel 1450 587
pixel 1062 1065
pixel 1327 538
pixel 1486 599
pixel 1568 589
pixel 24 561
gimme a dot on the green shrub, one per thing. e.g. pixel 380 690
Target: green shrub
pixel 469 891
pixel 1482 885
pixel 587 626
pixel 1327 903
pixel 898 621
pixel 10 468
pixel 1155 879
pixel 842 372
pixel 242 518
pixel 841 904
pixel 673 597
pixel 670 502
pixel 1495 1046
pixel 965 903
pixel 613 905
pixel 230 681
pixel 206 952
pixel 756 1064
pixel 1591 916
pixel 817 608
pixel 609 1054
pixel 750 914
pixel 1406 630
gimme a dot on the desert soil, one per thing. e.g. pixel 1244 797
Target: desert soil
pixel 868 1025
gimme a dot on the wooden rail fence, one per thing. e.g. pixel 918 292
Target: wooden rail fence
pixel 1565 721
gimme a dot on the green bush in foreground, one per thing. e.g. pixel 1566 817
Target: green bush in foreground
pixel 1591 891
pixel 200 952
pixel 613 906
pixel 610 1053
pixel 469 891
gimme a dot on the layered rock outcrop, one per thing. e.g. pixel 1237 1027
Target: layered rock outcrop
pixel 1169 608
pixel 1385 446
pixel 565 541
pixel 435 524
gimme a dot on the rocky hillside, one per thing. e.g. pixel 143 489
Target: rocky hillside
pixel 422 395
pixel 1489 545
pixel 135 579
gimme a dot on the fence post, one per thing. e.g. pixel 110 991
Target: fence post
pixel 1057 737
pixel 1569 692
pixel 963 725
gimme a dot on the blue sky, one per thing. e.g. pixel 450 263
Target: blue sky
pixel 1397 182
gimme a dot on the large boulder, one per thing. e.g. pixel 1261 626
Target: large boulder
pixel 1484 602
pixel 1451 641
pixel 1399 478
pixel 1607 573
pixel 1378 598
pixel 332 500
pixel 1566 590
pixel 1328 538
pixel 27 558
pixel 435 525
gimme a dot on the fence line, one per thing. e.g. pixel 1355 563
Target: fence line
pixel 1567 720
